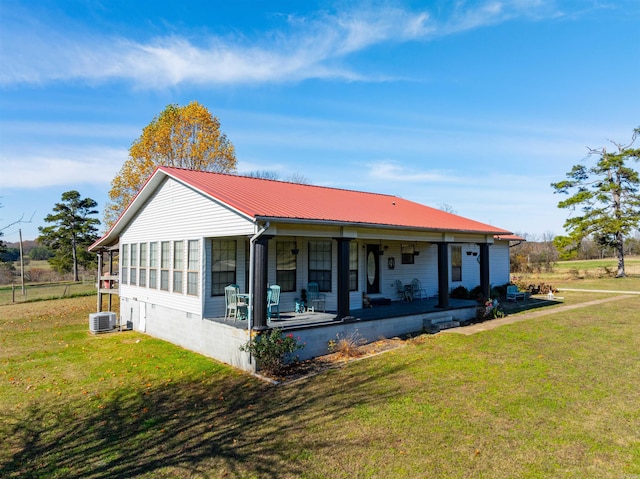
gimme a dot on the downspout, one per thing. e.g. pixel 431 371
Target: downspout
pixel 252 241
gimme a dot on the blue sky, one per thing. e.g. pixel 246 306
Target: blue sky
pixel 477 105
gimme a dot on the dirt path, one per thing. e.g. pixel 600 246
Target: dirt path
pixel 494 323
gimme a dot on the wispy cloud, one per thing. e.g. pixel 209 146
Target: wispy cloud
pixel 304 48
pixel 58 167
pixel 396 172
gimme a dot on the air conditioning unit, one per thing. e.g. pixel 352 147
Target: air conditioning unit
pixel 101 322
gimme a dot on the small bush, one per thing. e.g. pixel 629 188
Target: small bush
pixel 273 351
pixel 459 292
pixel 347 345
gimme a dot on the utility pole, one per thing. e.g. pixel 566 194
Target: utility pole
pixel 21 261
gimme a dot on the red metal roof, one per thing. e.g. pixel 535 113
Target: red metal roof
pixel 269 199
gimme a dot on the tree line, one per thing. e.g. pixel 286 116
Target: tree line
pixel 603 201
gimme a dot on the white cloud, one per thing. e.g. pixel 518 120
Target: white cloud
pixel 40 169
pixel 393 171
pixel 314 47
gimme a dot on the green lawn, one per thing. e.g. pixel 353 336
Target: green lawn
pixel 555 396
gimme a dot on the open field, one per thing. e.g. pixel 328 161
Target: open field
pixel 555 396
pixel 587 273
pixel 39 292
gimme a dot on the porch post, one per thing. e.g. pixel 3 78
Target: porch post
pixel 343 278
pixel 99 308
pixel 443 275
pixel 485 285
pixel 260 256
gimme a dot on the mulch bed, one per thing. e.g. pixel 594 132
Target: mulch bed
pixel 311 367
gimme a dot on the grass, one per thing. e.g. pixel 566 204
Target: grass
pixel 42 292
pixel 554 396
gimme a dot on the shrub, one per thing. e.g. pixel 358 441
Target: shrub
pixel 273 351
pixel 460 292
pixel 347 345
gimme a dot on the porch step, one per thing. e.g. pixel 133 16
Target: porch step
pixel 438 324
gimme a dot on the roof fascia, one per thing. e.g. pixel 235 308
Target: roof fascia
pixel 371 225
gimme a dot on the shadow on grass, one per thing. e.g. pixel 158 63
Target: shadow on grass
pixel 235 426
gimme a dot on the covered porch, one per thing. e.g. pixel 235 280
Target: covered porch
pixel 290 320
pixel 398 318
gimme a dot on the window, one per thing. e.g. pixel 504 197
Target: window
pixel 353 266
pixel 407 254
pixel 142 277
pixel 286 265
pixel 193 267
pixel 164 265
pixel 133 272
pixel 223 265
pixel 124 278
pixel 178 265
pixel 153 265
pixel 320 264
pixel 456 263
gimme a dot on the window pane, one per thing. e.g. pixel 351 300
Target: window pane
pixel 153 255
pixel 286 265
pixel 164 280
pixel 143 255
pixel 407 254
pixel 320 264
pixel 178 255
pixel 193 265
pixel 134 254
pixel 223 265
pixel 193 255
pixel 353 266
pixel 164 265
pixel 164 255
pixel 143 277
pixel 177 281
pixel 124 278
pixel 153 278
pixel 456 263
pixel 192 283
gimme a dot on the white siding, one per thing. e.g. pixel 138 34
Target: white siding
pixel 499 269
pixel 178 213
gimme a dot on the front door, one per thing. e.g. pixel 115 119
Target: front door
pixel 373 269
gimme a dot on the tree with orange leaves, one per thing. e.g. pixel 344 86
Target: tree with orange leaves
pixel 181 136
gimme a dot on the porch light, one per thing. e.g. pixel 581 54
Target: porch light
pixel 468 253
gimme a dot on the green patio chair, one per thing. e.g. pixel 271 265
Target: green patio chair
pixel 273 301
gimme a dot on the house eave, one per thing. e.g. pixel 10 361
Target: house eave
pixel 334 223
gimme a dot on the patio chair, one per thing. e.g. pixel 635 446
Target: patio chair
pixel 273 301
pixel 514 295
pixel 315 298
pixel 404 292
pixel 416 289
pixel 235 307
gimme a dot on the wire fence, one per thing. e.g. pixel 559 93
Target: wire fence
pixel 38 292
